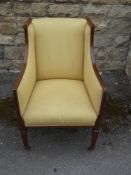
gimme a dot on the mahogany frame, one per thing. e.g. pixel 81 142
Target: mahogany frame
pixel 95 128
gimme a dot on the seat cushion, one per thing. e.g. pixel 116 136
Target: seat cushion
pixel 59 102
pixel 59 47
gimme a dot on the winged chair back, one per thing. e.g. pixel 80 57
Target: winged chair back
pixel 59 47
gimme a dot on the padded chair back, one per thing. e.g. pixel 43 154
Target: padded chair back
pixel 59 47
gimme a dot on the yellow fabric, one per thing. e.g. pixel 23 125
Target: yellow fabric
pixel 93 87
pixel 59 47
pixel 27 83
pixel 59 50
pixel 59 102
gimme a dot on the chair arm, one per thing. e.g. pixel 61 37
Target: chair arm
pixel 27 78
pixel 95 87
pixel 92 79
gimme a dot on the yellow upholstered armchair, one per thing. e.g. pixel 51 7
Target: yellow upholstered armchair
pixel 59 86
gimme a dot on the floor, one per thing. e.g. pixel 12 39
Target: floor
pixel 64 151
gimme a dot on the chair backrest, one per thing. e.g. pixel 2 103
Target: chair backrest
pixel 59 47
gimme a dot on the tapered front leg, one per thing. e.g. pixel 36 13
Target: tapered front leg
pixel 24 136
pixel 94 137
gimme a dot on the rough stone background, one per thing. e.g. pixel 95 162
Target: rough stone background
pixel 112 35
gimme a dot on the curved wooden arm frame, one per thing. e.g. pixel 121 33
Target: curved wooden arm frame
pixel 95 129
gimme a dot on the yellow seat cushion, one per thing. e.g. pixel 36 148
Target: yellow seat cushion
pixel 59 102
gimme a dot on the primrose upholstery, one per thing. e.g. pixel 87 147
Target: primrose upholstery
pixel 29 78
pixel 59 48
pixel 59 102
pixel 59 86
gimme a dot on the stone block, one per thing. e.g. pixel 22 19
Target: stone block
pixel 8 28
pixel 64 10
pixel 7 19
pixel 6 64
pixel 30 0
pixel 6 9
pixel 14 53
pixel 22 9
pixel 120 11
pixel 121 41
pixel 104 40
pixel 10 65
pixel 126 2
pixel 6 39
pixel 111 54
pixel 105 2
pixel 39 9
pixel 105 65
pixel 20 39
pixel 120 26
pixel 85 1
pixel 68 1
pixel 95 11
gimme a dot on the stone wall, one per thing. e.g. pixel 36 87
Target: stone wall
pixel 111 17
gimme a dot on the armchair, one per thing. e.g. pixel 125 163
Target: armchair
pixel 59 86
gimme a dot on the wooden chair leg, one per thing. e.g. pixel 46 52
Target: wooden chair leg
pixel 24 137
pixel 94 137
